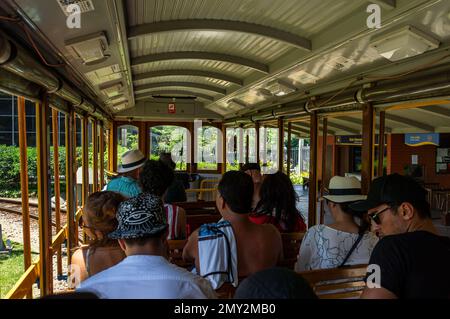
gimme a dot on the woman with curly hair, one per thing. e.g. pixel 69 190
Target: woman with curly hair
pixel 277 205
pixel 155 178
pixel 99 218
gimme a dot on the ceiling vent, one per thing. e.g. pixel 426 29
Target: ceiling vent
pixel 303 77
pixel 90 49
pixel 84 5
pixel 340 63
pixel 280 88
pixel 106 74
pixel 403 43
pixel 236 105
pixel 111 90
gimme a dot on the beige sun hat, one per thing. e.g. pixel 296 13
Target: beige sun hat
pixel 131 160
pixel 344 190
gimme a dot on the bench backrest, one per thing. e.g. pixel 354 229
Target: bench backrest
pixel 291 246
pixel 195 221
pixel 337 283
pixel 176 253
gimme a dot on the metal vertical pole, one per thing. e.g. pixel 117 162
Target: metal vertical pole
pixel 381 144
pixel 71 203
pixel 95 187
pixel 43 150
pixel 55 129
pixel 367 147
pixel 312 207
pixel 24 185
pixel 85 160
pixel 324 165
pixel 257 141
pixel 247 147
pixel 102 155
pixel 289 149
pixel 224 149
pixel 280 144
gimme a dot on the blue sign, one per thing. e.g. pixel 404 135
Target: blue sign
pixel 419 139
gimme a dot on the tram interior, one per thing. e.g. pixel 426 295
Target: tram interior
pixel 308 88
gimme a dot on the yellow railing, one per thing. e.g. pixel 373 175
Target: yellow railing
pixel 24 285
pixel 201 191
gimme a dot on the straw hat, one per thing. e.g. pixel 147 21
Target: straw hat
pixel 344 190
pixel 131 160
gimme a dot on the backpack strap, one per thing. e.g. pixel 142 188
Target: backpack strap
pixel 361 235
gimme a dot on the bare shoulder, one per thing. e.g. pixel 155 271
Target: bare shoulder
pixel 78 255
pixel 272 231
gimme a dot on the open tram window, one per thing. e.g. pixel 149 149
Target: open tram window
pixel 127 140
pixel 170 139
pixel 207 148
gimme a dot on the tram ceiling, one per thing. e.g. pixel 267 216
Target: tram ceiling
pixel 220 25
pixel 182 72
pixel 196 55
pixel 226 51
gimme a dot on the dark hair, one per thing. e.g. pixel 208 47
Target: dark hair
pixel 166 158
pixel 277 193
pixel 141 241
pixel 251 166
pixel 364 224
pixel 99 213
pixel 275 283
pixel 156 177
pixel 236 188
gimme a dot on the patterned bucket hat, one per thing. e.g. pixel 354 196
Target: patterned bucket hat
pixel 140 216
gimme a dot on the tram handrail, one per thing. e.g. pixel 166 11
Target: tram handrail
pixel 26 281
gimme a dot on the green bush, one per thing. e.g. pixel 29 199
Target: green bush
pixel 296 179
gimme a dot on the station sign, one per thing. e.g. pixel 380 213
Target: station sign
pixel 419 139
pixel 353 140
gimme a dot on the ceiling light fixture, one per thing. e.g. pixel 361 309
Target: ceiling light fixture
pixel 90 49
pixel 280 88
pixel 404 43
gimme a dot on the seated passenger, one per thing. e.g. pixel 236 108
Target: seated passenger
pixel 343 242
pixel 275 283
pixel 254 170
pixel 127 183
pixel 176 191
pixel 145 272
pixel 234 247
pixel 277 205
pixel 413 261
pixel 155 179
pixel 99 217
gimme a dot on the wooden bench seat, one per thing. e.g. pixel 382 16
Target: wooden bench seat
pixel 337 283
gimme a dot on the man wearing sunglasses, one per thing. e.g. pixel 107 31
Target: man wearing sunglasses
pixel 413 260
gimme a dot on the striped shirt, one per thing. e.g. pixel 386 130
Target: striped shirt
pixel 172 214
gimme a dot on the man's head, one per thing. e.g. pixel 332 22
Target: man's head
pixel 132 161
pixel 394 204
pixel 275 283
pixel 254 170
pixel 142 225
pixel 235 193
pixel 166 158
pixel 156 177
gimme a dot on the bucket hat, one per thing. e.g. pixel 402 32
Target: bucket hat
pixel 140 216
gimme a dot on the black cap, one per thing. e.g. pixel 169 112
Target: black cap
pixel 391 189
pixel 250 166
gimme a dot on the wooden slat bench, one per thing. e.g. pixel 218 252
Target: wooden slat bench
pixel 291 246
pixel 337 283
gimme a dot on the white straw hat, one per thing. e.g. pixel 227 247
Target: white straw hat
pixel 344 190
pixel 131 160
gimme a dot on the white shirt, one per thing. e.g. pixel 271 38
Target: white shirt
pixel 147 277
pixel 325 247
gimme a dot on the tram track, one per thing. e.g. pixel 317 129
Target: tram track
pixel 9 205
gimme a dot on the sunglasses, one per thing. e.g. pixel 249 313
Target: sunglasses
pixel 376 216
